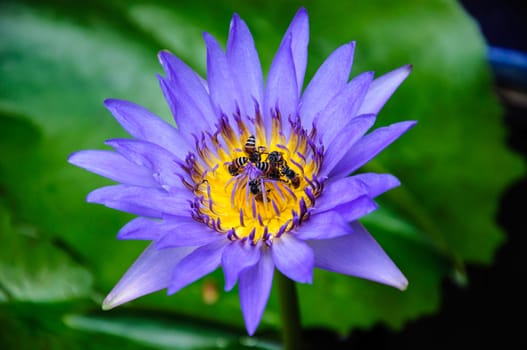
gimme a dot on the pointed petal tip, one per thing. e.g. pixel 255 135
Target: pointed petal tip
pixel 115 299
pixel 392 182
pixel 73 157
pixel 110 102
pixel 98 195
pixel 112 301
pixel 211 43
pixel 122 235
pixel 392 79
pixel 207 36
pixel 163 84
pixel 409 124
pixel 161 58
pixel 400 127
pixel 235 18
pixel 236 24
pixel 113 142
pixel 173 289
pixel 302 11
pixel 114 105
pixel 404 71
pixel 106 305
pixel 164 54
pixel 351 49
pixel 300 20
pixel 403 285
pixel 91 198
pixel 397 280
pixel 175 286
pixel 369 75
pixel 392 277
pixel 80 158
pixel 382 88
pixel 251 329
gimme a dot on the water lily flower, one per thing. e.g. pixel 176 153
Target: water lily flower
pixel 254 176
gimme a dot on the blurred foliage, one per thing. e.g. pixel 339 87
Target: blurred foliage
pixel 59 255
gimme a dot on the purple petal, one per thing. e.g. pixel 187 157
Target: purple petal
pixel 323 226
pixel 151 272
pixel 358 255
pixel 140 228
pixel 245 63
pixel 349 135
pixel 338 192
pixel 254 288
pixel 113 166
pixel 191 92
pixel 197 264
pixel 294 258
pixel 162 163
pixel 369 146
pixel 282 89
pixel 342 109
pixel 143 124
pixel 223 91
pixel 382 88
pixel 356 209
pixel 299 32
pixel 189 118
pixel 329 79
pixel 186 232
pixel 142 201
pixel 237 256
pixel 377 183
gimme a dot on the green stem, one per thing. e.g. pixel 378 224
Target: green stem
pixel 291 328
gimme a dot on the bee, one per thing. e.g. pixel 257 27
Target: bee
pixel 256 190
pixel 263 167
pixel 268 170
pixel 276 162
pixel 254 187
pixel 291 176
pixel 250 149
pixel 237 164
pixel 276 159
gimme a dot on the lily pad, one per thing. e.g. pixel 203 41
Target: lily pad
pixel 36 270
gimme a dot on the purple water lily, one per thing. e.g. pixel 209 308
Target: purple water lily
pixel 254 176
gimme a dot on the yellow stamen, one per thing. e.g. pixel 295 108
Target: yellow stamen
pixel 255 200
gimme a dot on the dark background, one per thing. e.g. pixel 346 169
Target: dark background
pixel 490 310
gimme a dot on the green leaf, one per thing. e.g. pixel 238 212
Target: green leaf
pixel 163 333
pixel 59 61
pixel 28 326
pixel 36 270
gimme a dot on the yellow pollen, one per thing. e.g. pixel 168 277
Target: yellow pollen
pixel 250 188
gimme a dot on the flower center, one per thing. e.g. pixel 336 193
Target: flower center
pixel 255 185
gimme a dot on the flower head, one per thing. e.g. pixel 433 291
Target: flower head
pixel 255 176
